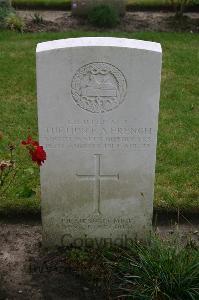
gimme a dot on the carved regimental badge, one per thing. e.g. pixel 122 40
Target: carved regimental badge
pixel 98 87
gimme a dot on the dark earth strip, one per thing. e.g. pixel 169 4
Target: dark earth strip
pixel 29 272
pixel 161 217
pixel 26 272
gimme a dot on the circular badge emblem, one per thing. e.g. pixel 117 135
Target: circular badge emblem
pixel 98 87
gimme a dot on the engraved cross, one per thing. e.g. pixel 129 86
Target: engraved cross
pixel 97 177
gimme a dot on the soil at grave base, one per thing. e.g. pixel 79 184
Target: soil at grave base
pixel 28 272
pixel 137 21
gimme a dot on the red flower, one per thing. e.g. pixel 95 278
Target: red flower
pixel 36 151
pixel 38 155
pixel 30 142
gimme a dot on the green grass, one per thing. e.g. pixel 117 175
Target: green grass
pixel 157 269
pixel 66 4
pixel 176 171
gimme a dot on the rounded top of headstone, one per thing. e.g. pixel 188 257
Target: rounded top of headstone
pixel 99 42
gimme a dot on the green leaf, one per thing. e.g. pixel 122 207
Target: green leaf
pixel 29 171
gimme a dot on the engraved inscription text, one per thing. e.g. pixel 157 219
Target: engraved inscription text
pixel 98 87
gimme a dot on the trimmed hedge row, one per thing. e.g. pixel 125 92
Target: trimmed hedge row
pixel 42 4
pixel 66 5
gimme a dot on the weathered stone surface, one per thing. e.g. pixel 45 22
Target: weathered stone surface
pixel 82 7
pixel 98 102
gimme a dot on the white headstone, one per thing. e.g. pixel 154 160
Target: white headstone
pixel 98 102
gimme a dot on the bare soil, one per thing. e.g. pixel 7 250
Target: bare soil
pixel 27 271
pixel 55 21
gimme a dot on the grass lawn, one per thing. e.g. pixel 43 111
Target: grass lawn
pixel 176 170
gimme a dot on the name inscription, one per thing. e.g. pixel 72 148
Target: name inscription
pixel 98 134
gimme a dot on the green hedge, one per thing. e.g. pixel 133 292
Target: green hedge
pixel 66 4
pixel 43 4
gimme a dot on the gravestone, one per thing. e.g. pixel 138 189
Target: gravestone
pixel 98 102
pixel 82 7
